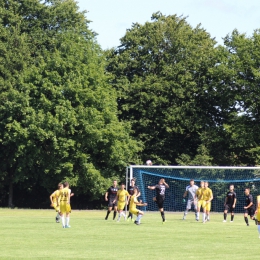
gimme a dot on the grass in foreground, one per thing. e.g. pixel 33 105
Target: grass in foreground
pixel 33 234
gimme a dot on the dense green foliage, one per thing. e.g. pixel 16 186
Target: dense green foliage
pixel 58 112
pixel 184 95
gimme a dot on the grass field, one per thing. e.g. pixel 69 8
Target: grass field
pixel 33 234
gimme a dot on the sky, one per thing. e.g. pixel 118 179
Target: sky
pixel 111 18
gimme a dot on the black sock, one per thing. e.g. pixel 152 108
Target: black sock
pixel 108 212
pixel 225 216
pixel 130 215
pixel 246 220
pixel 232 217
pixel 163 217
pixel 114 215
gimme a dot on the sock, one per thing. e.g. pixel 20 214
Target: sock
pixel 225 216
pixel 139 218
pixel 208 216
pixel 114 215
pixel 123 214
pixel 130 215
pixel 163 217
pixel 232 217
pixel 67 221
pixel 63 221
pixel 119 216
pixel 185 213
pixel 258 227
pixel 58 216
pixel 198 215
pixel 246 220
pixel 204 216
pixel 108 212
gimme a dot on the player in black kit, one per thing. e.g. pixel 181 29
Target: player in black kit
pixel 160 195
pixel 131 192
pixel 249 207
pixel 230 203
pixel 110 196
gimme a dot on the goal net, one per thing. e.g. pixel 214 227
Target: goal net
pixel 178 177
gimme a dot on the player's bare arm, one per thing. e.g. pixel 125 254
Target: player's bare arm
pixel 116 199
pixel 106 199
pixel 138 203
pixel 51 199
pixel 235 201
pixel 185 194
pixel 69 192
pixel 166 185
pixel 250 204
pixel 127 200
pixel 211 198
pixel 151 187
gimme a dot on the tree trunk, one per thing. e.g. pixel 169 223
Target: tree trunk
pixel 10 197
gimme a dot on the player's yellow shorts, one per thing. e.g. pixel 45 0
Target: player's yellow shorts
pixel 208 206
pixel 57 208
pixel 120 205
pixel 65 208
pixel 258 215
pixel 134 211
pixel 201 203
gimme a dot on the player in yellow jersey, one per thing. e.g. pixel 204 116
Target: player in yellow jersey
pixel 122 198
pixel 200 201
pixel 208 197
pixel 54 201
pixel 257 213
pixel 64 199
pixel 132 208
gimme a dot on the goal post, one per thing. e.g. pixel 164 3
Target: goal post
pixel 178 178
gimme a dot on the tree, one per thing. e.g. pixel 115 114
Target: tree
pixel 166 75
pixel 242 129
pixel 58 113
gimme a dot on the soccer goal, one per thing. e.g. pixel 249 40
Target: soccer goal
pixel 178 178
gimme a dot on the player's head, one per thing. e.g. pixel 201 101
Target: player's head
pixel 231 187
pixel 114 183
pixel 247 191
pixel 60 186
pixel 149 163
pixel 202 183
pixel 122 185
pixel 206 184
pixel 66 184
pixel 191 182
pixel 161 181
pixel 133 181
pixel 135 191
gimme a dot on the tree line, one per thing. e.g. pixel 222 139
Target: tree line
pixel 72 111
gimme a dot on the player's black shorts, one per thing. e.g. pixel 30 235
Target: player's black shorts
pixel 111 204
pixel 250 211
pixel 229 207
pixel 159 201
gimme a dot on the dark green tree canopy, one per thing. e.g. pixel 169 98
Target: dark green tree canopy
pixel 165 74
pixel 58 112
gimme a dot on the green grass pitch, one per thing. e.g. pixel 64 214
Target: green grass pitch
pixel 34 234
